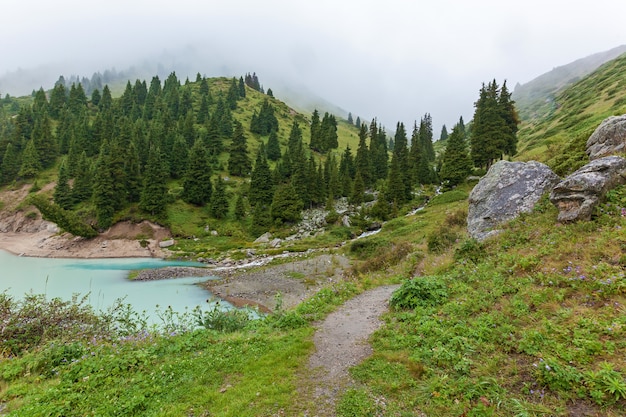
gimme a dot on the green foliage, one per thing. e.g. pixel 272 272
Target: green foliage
pixel 441 239
pixel 66 220
pixel 286 206
pixel 356 402
pixel 35 320
pixel 420 292
pixel 224 320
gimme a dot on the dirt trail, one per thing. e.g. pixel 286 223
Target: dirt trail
pixel 341 342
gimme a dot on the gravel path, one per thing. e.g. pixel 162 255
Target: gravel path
pixel 341 343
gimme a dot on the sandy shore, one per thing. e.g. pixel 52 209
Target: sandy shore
pixel 47 244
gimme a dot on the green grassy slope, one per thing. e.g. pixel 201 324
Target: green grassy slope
pixel 536 98
pixel 559 138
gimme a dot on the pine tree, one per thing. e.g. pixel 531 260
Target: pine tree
pixel 363 159
pixel 242 88
pixel 378 151
pixel 444 134
pixel 511 119
pixel 10 164
pixel 219 200
pixel 132 174
pixel 233 94
pixel 358 189
pixel 350 121
pixel 240 207
pixel 273 147
pixel 58 100
pixel 197 187
pixel 286 206
pixel 83 180
pixel 179 157
pixel 30 161
pixel 104 189
pixel 316 133
pixel 261 182
pixel 154 193
pixel 456 163
pixel 491 135
pixel 44 141
pixel 401 155
pixel 239 162
pixel 328 134
pixel 62 191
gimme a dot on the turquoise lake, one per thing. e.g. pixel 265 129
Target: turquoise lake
pixel 103 281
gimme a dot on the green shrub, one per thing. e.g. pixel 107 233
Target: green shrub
pixel 419 292
pixel 441 239
pixel 470 250
pixel 224 321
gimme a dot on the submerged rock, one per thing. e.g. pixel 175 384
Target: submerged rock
pixel 578 194
pixel 508 189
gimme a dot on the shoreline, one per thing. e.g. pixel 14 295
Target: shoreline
pixel 49 244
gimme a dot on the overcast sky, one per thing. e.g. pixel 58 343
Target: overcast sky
pixel 392 59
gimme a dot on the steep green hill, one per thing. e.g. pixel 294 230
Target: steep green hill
pixel 559 138
pixel 536 98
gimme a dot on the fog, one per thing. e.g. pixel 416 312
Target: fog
pixel 395 60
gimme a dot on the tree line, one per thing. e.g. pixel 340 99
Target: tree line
pixel 124 152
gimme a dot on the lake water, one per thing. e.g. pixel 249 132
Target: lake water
pixel 103 280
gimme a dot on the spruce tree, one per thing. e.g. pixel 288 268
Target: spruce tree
pixel 273 147
pixel 363 159
pixel 456 163
pixel 197 187
pixel 239 162
pixel 444 134
pixel 132 174
pixel 511 119
pixel 358 189
pixel 261 182
pixel 219 200
pixel 316 138
pixel 154 192
pixel 179 157
pixel 10 164
pixel 240 206
pixel 58 100
pixel 82 189
pixel 44 141
pixel 30 161
pixel 104 189
pixel 286 206
pixel 62 191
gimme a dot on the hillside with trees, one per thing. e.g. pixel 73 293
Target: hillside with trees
pixel 527 323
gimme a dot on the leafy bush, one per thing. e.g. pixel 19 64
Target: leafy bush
pixel 441 239
pixel 35 320
pixel 419 292
pixel 471 250
pixel 225 321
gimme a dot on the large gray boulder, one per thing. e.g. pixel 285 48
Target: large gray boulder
pixel 578 194
pixel 508 189
pixel 608 139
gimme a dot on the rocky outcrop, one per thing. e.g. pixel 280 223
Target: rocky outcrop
pixel 508 189
pixel 578 194
pixel 608 139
